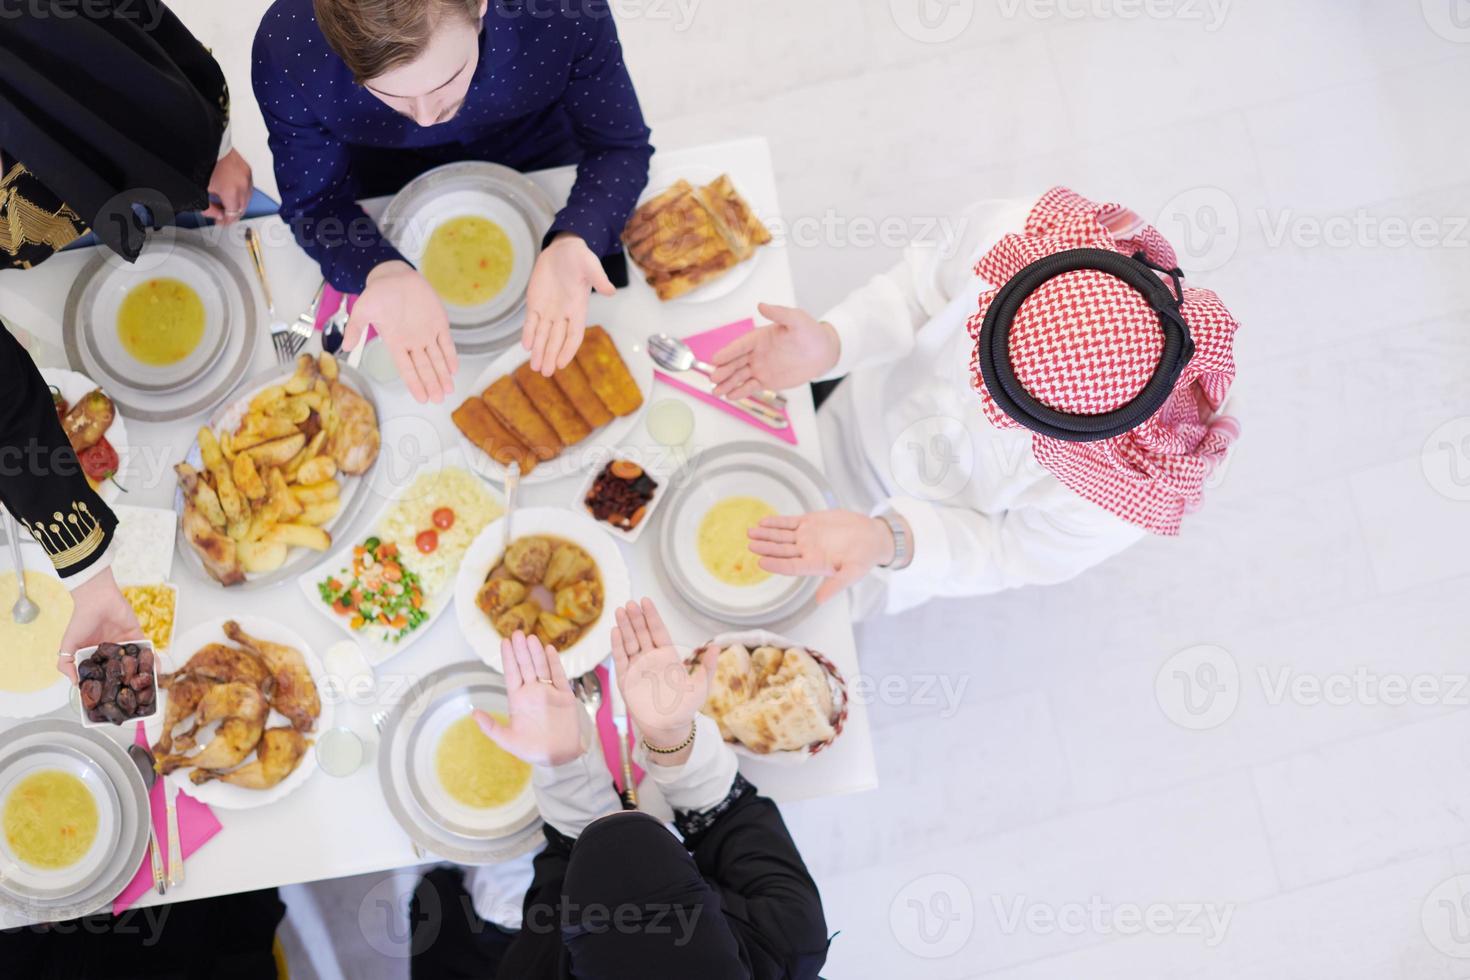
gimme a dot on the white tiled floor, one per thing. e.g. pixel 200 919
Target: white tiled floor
pixel 1333 549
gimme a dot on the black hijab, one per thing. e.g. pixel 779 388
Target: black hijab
pixel 110 105
pixel 637 906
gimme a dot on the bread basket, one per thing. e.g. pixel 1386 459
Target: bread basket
pixel 751 639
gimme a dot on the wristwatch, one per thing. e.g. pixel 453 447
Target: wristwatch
pixel 903 549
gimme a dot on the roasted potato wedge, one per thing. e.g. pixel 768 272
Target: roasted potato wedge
pixel 299 536
pixel 279 492
pixel 261 556
pixel 247 478
pixel 319 513
pixel 315 493
pixel 266 398
pixel 277 452
pixel 316 470
pixel 310 450
pixel 327 364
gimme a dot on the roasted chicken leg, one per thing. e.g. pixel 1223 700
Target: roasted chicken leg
pixel 294 693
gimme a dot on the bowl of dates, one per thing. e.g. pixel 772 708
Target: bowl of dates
pixel 621 496
pixel 118 683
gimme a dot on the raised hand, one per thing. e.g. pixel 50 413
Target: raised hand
pixel 662 692
pixel 838 545
pixel 793 349
pixel 410 318
pixel 100 614
pixel 566 274
pixel 231 185
pixel 544 727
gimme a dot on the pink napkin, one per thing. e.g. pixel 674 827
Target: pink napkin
pixel 331 303
pixel 608 732
pixel 704 346
pixel 197 824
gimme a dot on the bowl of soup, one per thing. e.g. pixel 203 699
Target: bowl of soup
pixel 58 820
pixel 459 776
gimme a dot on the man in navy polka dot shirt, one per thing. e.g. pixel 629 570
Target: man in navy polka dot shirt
pixel 361 96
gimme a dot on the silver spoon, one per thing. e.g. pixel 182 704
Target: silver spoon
pixel 672 354
pixel 588 689
pixel 24 611
pixel 143 759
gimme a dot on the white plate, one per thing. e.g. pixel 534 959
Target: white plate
pixel 33 704
pixel 598 447
pixel 376 649
pixel 432 796
pixel 659 464
pixel 136 394
pixel 480 203
pixel 355 490
pixel 219 794
pixel 61 881
pixel 74 386
pixel 484 555
pixel 201 271
pixel 735 277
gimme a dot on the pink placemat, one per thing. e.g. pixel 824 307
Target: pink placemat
pixel 608 732
pixel 331 302
pixel 705 345
pixel 197 824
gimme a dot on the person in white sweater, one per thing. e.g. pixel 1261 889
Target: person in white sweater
pixel 1077 410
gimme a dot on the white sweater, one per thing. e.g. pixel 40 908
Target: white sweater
pixel 906 432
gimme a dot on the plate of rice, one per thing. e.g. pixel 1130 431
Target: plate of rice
pixel 387 588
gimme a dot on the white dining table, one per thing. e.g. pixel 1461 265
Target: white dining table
pixel 334 827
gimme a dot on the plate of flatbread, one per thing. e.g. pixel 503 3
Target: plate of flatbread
pixel 774 699
pixel 695 238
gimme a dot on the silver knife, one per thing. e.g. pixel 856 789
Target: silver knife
pixel 620 722
pixel 760 411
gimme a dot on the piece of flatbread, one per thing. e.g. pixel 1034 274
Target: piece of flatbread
pixel 780 719
pixel 799 667
pixel 766 661
pixel 732 685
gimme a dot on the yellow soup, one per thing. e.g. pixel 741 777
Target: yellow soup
pixel 474 770
pixel 723 545
pixel 28 652
pixel 468 260
pixel 161 322
pixel 50 819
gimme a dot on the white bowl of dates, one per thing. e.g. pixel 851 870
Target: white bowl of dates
pixel 117 683
pixel 621 497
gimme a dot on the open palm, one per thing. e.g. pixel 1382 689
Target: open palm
pixel 662 692
pixel 543 728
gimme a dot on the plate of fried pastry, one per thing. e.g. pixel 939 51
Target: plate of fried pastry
pixel 241 703
pixel 774 699
pixel 696 239
pixel 553 426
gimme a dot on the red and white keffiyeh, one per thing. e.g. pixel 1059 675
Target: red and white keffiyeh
pixel 1086 343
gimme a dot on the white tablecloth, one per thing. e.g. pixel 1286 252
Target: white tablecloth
pixel 336 827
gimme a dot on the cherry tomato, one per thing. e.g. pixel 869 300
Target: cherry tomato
pixel 444 518
pixel 427 542
pixel 100 461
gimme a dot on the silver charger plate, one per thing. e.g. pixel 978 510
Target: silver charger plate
pixel 219 371
pixel 113 764
pixel 394 752
pixel 493 191
pixel 356 490
pixel 776 474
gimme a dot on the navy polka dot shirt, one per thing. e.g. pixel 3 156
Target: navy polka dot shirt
pixel 550 89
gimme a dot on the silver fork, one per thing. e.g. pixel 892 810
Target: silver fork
pixel 280 333
pixel 305 324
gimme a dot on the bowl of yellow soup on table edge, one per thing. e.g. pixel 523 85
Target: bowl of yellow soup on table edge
pixel 58 820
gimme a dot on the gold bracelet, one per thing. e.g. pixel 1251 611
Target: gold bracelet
pixel 693 727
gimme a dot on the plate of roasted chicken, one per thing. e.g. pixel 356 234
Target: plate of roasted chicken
pixel 241 702
pixel 695 238
pixel 276 472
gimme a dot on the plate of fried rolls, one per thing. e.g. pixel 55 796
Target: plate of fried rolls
pixel 561 425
